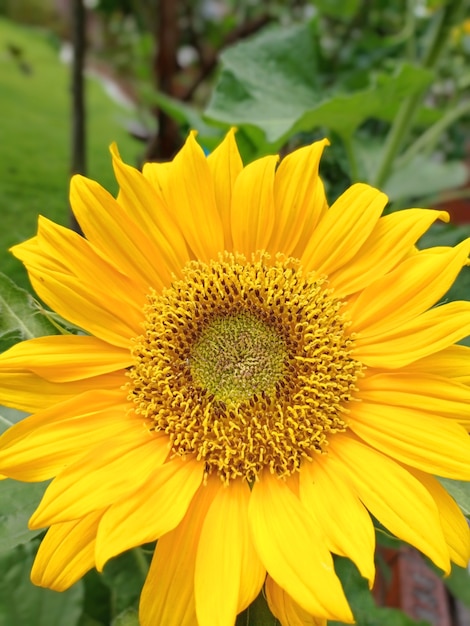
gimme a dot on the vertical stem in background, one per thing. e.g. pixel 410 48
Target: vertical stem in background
pixel 78 139
pixel 405 117
pixel 167 141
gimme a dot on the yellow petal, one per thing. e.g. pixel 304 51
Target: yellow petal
pixel 113 312
pixel 430 332
pixel 453 522
pixel 103 476
pixel 338 510
pixel 432 444
pixel 66 252
pixel 299 199
pixel 168 594
pixel 145 206
pixel 397 499
pixel 344 229
pixel 64 358
pixel 413 287
pixel 66 553
pixel 390 241
pixel 114 234
pixel 286 610
pixel 429 393
pixel 225 164
pixel 189 191
pixel 253 206
pixel 293 549
pixel 153 509
pixel 40 446
pixel 28 392
pixel 452 362
pixel 228 574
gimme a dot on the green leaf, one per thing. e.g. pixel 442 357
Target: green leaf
pixel 97 601
pixel 20 316
pixel 418 178
pixel 130 617
pixel 257 614
pixel 271 82
pixel 422 177
pixel 17 503
pixel 460 491
pixel 338 9
pixel 125 576
pixel 10 416
pixel 21 603
pixel 363 606
pixel 458 583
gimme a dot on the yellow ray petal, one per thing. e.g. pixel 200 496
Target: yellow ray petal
pixel 103 476
pixel 64 358
pixel 145 206
pixel 225 164
pixel 28 392
pixel 454 524
pixel 228 574
pixel 155 508
pixel 432 331
pixel 39 447
pixel 299 199
pixel 168 594
pixel 397 499
pixel 110 229
pixel 66 553
pixel 253 206
pixel 390 241
pixel 71 300
pixel 338 510
pixel 286 610
pixel 429 393
pixel 432 444
pixel 293 550
pixel 189 192
pixel 113 315
pixel 413 287
pixel 344 229
pixel 452 362
pixel 64 251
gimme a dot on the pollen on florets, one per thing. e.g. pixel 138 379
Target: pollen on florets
pixel 245 364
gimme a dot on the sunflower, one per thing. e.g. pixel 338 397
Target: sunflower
pixel 259 375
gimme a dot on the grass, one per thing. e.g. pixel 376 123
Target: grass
pixel 35 132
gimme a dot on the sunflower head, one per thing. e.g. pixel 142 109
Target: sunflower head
pixel 259 376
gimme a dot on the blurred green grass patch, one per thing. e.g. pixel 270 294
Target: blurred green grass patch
pixel 35 131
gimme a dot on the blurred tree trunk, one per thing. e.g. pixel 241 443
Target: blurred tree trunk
pixel 166 141
pixel 78 138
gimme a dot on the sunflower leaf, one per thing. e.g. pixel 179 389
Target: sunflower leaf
pixel 272 82
pixel 23 603
pixel 20 316
pixel 124 576
pixel 17 503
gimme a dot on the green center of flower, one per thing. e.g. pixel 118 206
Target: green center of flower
pixel 237 357
pixel 245 365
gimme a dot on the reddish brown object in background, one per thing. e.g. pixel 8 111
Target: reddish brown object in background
pixel 413 587
pixel 459 209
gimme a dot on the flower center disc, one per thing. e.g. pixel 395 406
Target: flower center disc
pixel 244 364
pixel 237 357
